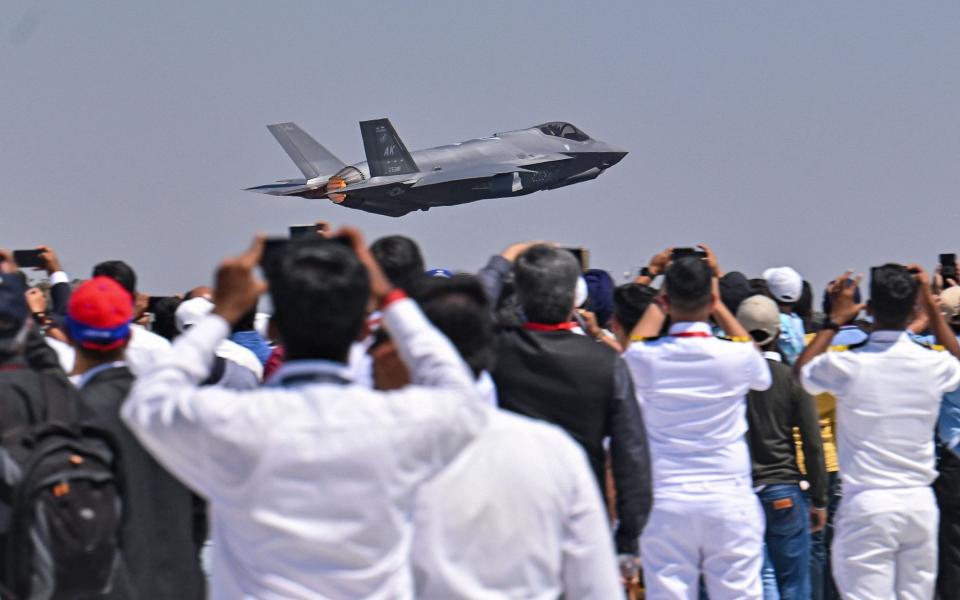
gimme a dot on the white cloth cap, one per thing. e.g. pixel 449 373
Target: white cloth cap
pixel 784 283
pixel 191 311
pixel 582 293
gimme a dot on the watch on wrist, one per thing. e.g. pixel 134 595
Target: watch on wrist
pixel 646 272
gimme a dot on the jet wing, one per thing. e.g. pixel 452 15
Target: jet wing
pixel 290 187
pixel 377 182
pixel 483 171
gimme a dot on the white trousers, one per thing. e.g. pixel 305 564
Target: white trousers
pixel 881 554
pixel 716 533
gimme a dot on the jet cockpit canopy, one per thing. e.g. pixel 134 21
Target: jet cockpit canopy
pixel 563 130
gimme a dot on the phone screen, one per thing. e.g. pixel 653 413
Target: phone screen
pixel 29 259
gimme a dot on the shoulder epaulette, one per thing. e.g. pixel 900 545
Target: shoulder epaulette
pixel 928 345
pixel 640 338
pixel 848 346
pixel 737 339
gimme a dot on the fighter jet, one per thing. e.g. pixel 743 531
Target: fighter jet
pixel 394 182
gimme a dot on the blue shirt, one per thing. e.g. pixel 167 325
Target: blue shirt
pixel 254 342
pixel 791 337
pixel 948 427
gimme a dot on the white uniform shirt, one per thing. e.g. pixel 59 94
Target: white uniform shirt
pixel 311 484
pixel 243 357
pixel 693 389
pixel 516 515
pixel 888 396
pixel 144 349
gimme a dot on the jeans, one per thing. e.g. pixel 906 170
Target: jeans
pixel 821 576
pixel 788 538
pixel 947 488
pixel 768 576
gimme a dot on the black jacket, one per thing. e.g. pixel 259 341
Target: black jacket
pixel 584 387
pixel 772 415
pixel 157 535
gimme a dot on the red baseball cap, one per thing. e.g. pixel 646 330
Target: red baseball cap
pixel 99 314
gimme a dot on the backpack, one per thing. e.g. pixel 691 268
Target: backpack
pixel 59 504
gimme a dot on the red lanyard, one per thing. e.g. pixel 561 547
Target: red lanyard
pixel 549 326
pixel 692 334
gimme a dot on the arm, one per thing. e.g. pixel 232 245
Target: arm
pixel 841 291
pixel 658 264
pixel 630 458
pixel 492 276
pixel 589 567
pixel 59 282
pixel 945 336
pixel 651 323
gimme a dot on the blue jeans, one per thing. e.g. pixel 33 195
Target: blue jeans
pixel 821 577
pixel 788 538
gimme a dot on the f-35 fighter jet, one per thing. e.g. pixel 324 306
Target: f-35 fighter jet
pixel 394 182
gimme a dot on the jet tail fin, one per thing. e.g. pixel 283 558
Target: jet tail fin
pixel 311 158
pixel 386 154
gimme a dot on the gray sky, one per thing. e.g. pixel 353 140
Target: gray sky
pixel 823 135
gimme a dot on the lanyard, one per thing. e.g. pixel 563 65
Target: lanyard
pixel 549 326
pixel 692 334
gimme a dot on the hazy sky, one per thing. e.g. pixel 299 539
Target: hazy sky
pixel 823 135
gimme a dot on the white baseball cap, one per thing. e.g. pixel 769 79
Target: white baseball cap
pixel 191 311
pixel 784 283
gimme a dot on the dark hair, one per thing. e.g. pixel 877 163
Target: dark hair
pixel 320 294
pixel 164 320
pixel 688 282
pixel 630 301
pixel 400 259
pixel 546 282
pixel 759 287
pixel 458 307
pixel 734 289
pixel 803 307
pixel 120 272
pixel 246 322
pixel 893 294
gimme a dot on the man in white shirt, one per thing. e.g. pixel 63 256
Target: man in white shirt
pixel 311 481
pixel 517 514
pixel 706 519
pixel 888 394
pixel 242 369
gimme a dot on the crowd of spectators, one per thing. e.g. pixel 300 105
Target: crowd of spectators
pixel 531 430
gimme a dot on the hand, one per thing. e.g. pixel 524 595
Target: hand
pixel 140 304
pixel 841 291
pixel 590 320
pixel 237 288
pixel 711 260
pixel 380 286
pixel 818 519
pixel 51 262
pixel 324 228
pixel 36 300
pixel 925 293
pixel 660 262
pixel 515 250
pixel 7 264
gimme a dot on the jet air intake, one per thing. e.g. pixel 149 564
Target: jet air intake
pixel 344 177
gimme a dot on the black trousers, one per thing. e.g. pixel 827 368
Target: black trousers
pixel 947 488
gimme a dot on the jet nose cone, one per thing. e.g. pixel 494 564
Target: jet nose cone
pixel 611 158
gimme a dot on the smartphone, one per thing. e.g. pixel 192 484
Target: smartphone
pixel 685 252
pixel 299 231
pixel 582 255
pixel 948 268
pixel 274 248
pixel 28 259
pixel 153 301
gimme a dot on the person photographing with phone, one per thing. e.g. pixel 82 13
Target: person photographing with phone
pixel 888 392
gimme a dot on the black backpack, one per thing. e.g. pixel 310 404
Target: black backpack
pixel 59 503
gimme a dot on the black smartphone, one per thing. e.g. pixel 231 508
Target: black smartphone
pixel 275 247
pixel 948 268
pixel 685 252
pixel 299 231
pixel 28 259
pixel 153 301
pixel 582 255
